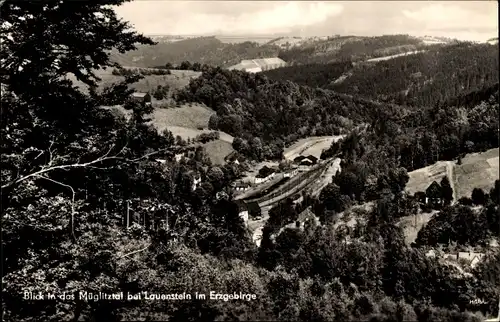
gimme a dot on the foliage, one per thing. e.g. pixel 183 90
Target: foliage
pixel 264 114
pixel 426 78
pixel 457 224
pixel 313 75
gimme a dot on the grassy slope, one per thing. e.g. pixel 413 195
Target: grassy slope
pixel 185 121
pixel 313 145
pixel 478 170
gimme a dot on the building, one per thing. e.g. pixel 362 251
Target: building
pixel 305 219
pixel 305 162
pixel 234 157
pixel 259 65
pixel 434 194
pixel 305 165
pixel 312 158
pixel 264 175
pixel 298 159
pixel 241 186
pixel 141 97
pixel 473 258
pixel 196 179
pixel 420 196
pixel 247 210
pixel 290 173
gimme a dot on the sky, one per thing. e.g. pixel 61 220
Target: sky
pixel 466 20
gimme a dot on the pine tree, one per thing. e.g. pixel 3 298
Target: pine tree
pixel 447 191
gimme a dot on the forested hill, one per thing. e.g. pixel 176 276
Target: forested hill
pixel 203 50
pixel 212 51
pixel 313 75
pixel 355 48
pixel 439 73
pixel 426 78
pixel 424 136
pixel 267 114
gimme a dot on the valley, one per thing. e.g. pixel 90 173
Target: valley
pixel 327 178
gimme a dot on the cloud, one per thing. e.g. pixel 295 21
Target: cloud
pixel 443 16
pixel 183 17
pixel 473 20
pixel 468 19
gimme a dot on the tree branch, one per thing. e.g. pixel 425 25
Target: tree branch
pixel 49 167
pixel 134 252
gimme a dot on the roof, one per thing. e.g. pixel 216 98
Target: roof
pixel 299 158
pixel 241 204
pixel 312 158
pixel 306 215
pixel 470 256
pixel 231 156
pixel 194 173
pixel 242 184
pixel 253 206
pixel 139 94
pixel 264 172
pixel 434 190
pixel 244 66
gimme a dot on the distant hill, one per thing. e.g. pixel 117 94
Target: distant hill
pixel 425 78
pixel 313 75
pixel 339 48
pixel 436 74
pixel 204 50
pixel 216 51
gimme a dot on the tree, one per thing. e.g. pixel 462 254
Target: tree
pixel 213 122
pixel 77 164
pixel 495 192
pixel 93 26
pixel 478 197
pixel 185 65
pixel 447 191
pixel 216 177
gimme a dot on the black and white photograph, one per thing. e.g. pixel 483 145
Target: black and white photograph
pixel 169 160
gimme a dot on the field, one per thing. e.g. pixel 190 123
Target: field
pixel 313 145
pixel 422 178
pixel 188 116
pixel 478 170
pixel 185 121
pixel 217 150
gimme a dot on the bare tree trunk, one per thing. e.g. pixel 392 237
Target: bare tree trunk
pixel 128 214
